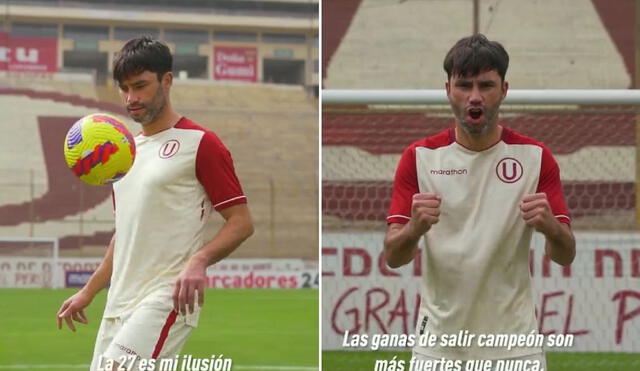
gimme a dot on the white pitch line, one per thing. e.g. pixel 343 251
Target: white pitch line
pixel 234 367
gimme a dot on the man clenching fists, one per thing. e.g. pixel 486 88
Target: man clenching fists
pixel 536 212
pixel 401 242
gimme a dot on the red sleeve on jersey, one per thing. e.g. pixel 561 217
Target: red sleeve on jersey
pixel 405 186
pixel 549 183
pixel 214 169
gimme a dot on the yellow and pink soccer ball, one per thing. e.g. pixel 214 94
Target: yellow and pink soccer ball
pixel 99 149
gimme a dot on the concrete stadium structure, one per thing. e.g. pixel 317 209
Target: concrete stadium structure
pixel 270 128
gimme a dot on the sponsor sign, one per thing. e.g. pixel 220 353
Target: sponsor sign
pixel 235 63
pixel 28 54
pixel 261 273
pixel 31 272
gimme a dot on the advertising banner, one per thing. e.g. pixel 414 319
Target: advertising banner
pixel 35 272
pixel 29 54
pixel 235 63
pixel 596 299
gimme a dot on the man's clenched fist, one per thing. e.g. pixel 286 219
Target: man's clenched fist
pixel 425 212
pixel 536 212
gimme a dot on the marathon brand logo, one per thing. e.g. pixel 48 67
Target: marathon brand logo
pixel 449 172
pixel 127 350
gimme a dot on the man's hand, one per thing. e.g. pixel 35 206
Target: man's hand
pixel 401 241
pixel 560 244
pixel 237 227
pixel 536 212
pixel 425 212
pixel 192 279
pixel 73 310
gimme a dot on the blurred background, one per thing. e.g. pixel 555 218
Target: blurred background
pixel 401 44
pixel 246 69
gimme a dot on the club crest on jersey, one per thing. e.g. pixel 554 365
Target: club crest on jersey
pixel 169 148
pixel 509 170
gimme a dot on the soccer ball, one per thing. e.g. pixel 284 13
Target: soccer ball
pixel 99 149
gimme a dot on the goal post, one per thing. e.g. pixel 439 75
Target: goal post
pixel 550 97
pixel 30 262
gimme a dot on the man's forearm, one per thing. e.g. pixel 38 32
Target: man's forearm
pixel 235 230
pixel 101 277
pixel 400 245
pixel 560 246
pixel 192 280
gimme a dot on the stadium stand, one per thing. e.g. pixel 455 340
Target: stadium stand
pixel 271 129
pixel 561 45
pixel 275 133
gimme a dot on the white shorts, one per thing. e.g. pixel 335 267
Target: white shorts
pixel 147 333
pixel 420 360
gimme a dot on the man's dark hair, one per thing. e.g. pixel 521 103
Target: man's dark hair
pixel 475 54
pixel 139 55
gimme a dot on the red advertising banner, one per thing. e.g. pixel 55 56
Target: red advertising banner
pixel 28 54
pixel 235 63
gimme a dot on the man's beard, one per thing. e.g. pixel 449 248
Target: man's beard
pixel 152 109
pixel 477 129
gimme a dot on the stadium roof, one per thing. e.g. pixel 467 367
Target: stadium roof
pixel 290 14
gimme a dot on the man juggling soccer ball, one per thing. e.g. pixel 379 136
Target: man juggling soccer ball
pixel 157 259
pixel 475 193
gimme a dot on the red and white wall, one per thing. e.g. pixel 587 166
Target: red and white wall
pixel 597 299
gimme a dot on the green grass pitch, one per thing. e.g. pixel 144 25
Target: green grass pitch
pixel 257 329
pixel 361 361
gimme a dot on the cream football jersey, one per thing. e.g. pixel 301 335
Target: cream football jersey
pixel 161 207
pixel 475 264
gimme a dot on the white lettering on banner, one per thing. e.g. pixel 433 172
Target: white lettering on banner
pixel 27 55
pixel 235 63
pixel 596 300
pixel 25 67
pixel 231 57
pixel 248 71
pixel 4 54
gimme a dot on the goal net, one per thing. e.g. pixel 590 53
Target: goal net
pixel 596 300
